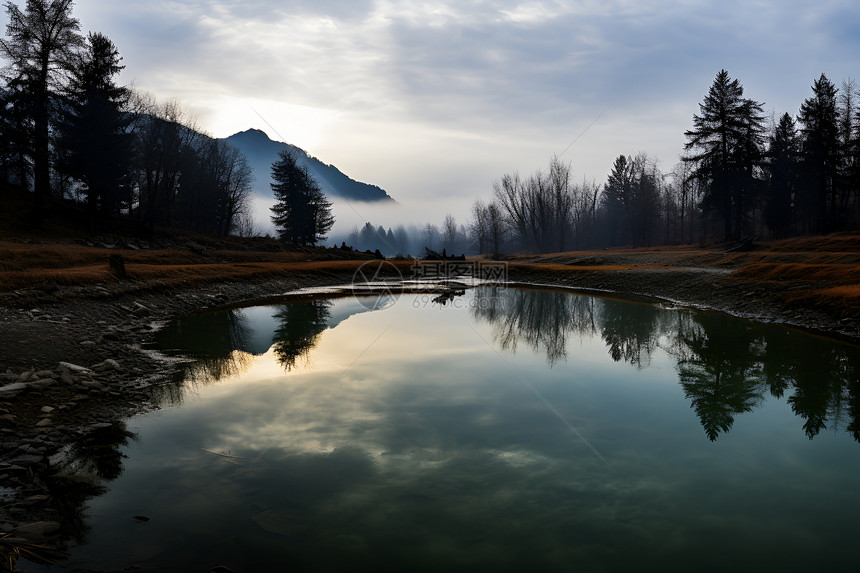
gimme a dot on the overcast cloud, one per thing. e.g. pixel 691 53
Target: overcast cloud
pixel 440 98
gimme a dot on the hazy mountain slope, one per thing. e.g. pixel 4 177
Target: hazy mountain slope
pixel 262 152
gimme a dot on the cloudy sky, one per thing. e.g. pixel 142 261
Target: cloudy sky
pixel 434 100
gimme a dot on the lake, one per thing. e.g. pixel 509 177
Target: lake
pixel 504 430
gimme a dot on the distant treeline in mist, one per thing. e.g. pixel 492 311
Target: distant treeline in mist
pixel 741 176
pixel 69 131
pixel 412 240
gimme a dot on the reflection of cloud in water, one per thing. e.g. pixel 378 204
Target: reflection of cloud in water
pixel 495 492
pixel 404 457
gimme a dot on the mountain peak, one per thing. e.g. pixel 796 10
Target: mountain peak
pixel 258 136
pixel 262 151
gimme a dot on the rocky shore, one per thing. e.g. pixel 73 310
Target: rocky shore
pixel 74 363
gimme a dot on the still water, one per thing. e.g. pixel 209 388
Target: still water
pixel 507 430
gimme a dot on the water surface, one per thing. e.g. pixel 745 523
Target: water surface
pixel 508 430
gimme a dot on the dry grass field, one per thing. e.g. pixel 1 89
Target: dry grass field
pixel 821 272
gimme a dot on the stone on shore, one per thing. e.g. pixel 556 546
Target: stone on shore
pixel 73 368
pixel 108 364
pixel 43 383
pixel 14 387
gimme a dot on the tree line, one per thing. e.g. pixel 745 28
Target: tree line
pixel 739 177
pixel 412 240
pixel 68 130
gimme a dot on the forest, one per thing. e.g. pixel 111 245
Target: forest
pixel 740 177
pixel 69 131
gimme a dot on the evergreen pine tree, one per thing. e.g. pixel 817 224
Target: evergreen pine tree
pixel 726 136
pixel 615 199
pixel 782 164
pixel 94 145
pixel 822 154
pixel 301 214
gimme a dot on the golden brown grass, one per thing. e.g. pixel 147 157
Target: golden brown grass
pixel 813 271
pixel 567 268
pixel 834 273
pixel 821 272
pixel 28 266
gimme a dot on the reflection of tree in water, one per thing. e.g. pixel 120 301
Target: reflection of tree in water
pixel 221 344
pixel 630 331
pixel 199 372
pixel 543 320
pixel 98 453
pixel 83 470
pixel 211 335
pixel 719 372
pixel 301 323
pixel 540 319
pixel 725 367
pixel 215 341
pixel 822 375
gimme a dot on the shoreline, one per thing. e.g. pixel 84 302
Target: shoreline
pixel 102 336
